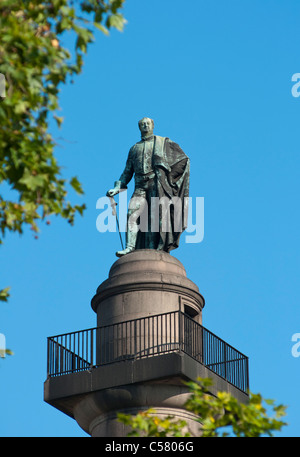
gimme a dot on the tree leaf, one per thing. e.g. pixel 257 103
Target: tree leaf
pixel 4 294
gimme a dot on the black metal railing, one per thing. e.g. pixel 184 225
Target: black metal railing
pixel 146 337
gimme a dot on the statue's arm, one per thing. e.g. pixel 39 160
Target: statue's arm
pixel 125 176
pixel 128 171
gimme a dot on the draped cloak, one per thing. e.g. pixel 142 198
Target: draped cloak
pixel 172 173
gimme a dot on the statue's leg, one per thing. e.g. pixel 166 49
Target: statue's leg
pixel 153 235
pixel 136 207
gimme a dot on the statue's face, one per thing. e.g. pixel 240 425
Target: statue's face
pixel 146 126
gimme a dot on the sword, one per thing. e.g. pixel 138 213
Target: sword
pixel 113 205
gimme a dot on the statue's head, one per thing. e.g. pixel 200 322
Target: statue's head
pixel 146 126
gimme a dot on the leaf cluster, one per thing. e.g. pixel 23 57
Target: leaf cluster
pixel 35 65
pixel 224 415
pixel 148 424
pixel 218 416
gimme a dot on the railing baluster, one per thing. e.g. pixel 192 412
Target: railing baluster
pixel 92 348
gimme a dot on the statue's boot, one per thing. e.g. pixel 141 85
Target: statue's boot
pixel 125 251
pixel 130 245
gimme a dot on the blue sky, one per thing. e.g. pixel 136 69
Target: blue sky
pixel 216 78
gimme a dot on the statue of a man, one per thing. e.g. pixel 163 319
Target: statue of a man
pixel 161 173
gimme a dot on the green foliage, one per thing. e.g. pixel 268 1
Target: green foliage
pixel 243 419
pixel 4 294
pixel 148 424
pixel 35 64
pixel 5 352
pixel 220 415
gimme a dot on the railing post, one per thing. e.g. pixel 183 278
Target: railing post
pixel 135 338
pixel 92 348
pixel 48 357
pixel 246 361
pixel 179 331
pixel 56 358
pixel 225 361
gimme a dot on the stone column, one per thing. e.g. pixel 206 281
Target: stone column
pixel 145 348
pixel 141 287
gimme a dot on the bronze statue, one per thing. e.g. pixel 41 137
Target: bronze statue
pixel 161 173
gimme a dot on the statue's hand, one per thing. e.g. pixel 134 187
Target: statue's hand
pixel 112 192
